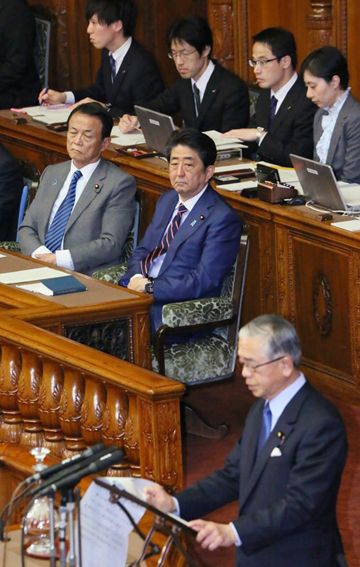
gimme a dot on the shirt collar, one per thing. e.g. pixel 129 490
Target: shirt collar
pixel 202 82
pixel 190 203
pixel 87 170
pixel 338 104
pixel 283 91
pixel 120 53
pixel 279 403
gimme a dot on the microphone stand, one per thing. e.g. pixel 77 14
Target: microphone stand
pixel 163 523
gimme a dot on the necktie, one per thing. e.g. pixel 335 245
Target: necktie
pixel 196 99
pixel 265 427
pixel 165 241
pixel 55 233
pixel 113 67
pixel 273 104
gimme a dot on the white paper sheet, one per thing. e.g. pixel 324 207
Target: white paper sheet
pixel 31 275
pixel 37 288
pixel 129 139
pixel 351 225
pixel 239 186
pixel 234 167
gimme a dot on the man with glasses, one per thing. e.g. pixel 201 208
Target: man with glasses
pixel 207 96
pixel 286 469
pixel 283 120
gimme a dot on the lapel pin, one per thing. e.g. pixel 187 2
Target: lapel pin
pixel 193 223
pixel 202 217
pixel 97 188
pixel 289 107
pixel 281 436
pixel 275 452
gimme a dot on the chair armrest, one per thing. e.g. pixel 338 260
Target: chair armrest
pixel 10 245
pixel 112 274
pixel 197 312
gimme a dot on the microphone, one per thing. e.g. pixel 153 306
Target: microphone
pixel 71 480
pixel 45 473
pixel 79 464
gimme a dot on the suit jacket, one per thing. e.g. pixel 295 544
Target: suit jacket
pixel 344 150
pixel 137 81
pixel 19 82
pixel 291 130
pixel 225 104
pixel 288 500
pixel 200 255
pixel 99 223
pixel 11 183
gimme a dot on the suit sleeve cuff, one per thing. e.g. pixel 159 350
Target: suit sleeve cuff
pixel 64 259
pixel 40 250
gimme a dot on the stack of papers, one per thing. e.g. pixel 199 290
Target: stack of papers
pixel 129 139
pixel 49 114
pixel 223 143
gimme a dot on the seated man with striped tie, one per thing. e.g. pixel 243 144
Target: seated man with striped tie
pixel 128 73
pixel 283 120
pixel 285 471
pixel 83 208
pixel 207 96
pixel 193 238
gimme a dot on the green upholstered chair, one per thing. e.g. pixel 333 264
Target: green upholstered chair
pixel 210 356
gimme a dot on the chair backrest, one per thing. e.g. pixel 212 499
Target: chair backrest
pixel 42 49
pixel 22 208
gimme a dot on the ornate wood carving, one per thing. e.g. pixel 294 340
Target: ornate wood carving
pixel 49 406
pixel 70 410
pixel 320 24
pixel 11 425
pixel 110 337
pixel 28 400
pixel 322 304
pixel 220 15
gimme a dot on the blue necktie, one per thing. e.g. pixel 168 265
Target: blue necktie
pixel 265 427
pixel 273 104
pixel 165 241
pixel 113 67
pixel 56 231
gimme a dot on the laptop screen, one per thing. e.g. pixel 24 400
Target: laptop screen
pixel 156 127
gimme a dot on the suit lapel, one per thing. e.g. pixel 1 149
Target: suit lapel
pixel 52 191
pixel 121 74
pixel 192 223
pixel 210 93
pixel 338 130
pixel 277 439
pixel 286 108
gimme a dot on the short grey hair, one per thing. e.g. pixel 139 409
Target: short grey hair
pixel 279 334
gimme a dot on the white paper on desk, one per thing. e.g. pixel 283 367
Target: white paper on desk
pixel 47 116
pixel 129 139
pixel 351 225
pixel 239 186
pixel 105 528
pixel 234 167
pixel 36 288
pixel 219 138
pixel 39 109
pixel 31 275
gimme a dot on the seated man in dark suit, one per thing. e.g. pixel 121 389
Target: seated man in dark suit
pixel 207 96
pixel 128 74
pixel 286 469
pixel 83 209
pixel 283 120
pixel 193 238
pixel 19 81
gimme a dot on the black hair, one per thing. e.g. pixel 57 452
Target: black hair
pixel 326 62
pixel 110 11
pixel 197 141
pixel 97 110
pixel 194 30
pixel 280 41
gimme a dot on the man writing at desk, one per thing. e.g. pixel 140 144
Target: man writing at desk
pixel 193 238
pixel 128 74
pixel 83 209
pixel 286 469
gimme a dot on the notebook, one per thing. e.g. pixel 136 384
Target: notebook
pixel 156 127
pixel 320 185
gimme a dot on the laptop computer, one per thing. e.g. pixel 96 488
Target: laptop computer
pixel 156 127
pixel 320 185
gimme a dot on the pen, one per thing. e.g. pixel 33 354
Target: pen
pixel 44 93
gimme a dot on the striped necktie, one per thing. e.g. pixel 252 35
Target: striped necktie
pixel 165 241
pixel 265 427
pixel 273 105
pixel 56 231
pixel 113 67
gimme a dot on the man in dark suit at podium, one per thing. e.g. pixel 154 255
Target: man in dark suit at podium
pixel 128 74
pixel 207 96
pixel 283 120
pixel 285 471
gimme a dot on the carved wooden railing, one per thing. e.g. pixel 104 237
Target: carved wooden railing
pixel 65 396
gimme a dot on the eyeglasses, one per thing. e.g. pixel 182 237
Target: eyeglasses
pixel 181 54
pixel 261 62
pixel 254 367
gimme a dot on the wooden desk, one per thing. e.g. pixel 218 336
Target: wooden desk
pixel 107 317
